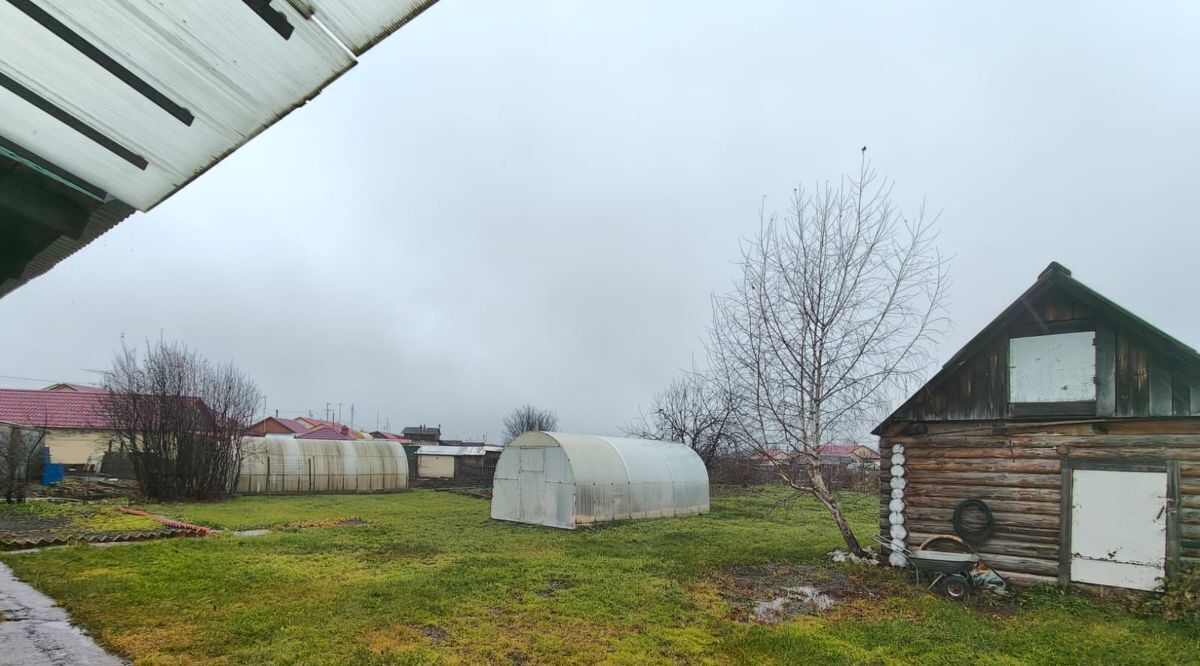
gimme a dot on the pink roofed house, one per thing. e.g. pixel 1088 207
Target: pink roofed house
pixel 77 434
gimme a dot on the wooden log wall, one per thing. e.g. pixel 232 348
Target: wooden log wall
pixel 1019 476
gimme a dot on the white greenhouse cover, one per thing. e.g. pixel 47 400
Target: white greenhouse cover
pixel 564 480
pixel 273 465
pixel 138 97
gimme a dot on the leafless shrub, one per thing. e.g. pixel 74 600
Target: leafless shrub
pixel 694 411
pixel 526 418
pixel 830 317
pixel 19 449
pixel 180 420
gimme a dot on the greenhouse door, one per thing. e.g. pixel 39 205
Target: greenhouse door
pixel 532 492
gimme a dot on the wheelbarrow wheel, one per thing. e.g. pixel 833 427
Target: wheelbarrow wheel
pixel 954 586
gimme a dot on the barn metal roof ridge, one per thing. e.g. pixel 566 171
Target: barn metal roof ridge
pixel 1054 275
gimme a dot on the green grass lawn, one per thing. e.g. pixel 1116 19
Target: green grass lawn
pixel 430 579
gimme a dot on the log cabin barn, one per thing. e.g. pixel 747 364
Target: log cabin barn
pixel 1076 423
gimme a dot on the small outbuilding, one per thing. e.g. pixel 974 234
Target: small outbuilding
pixel 450 462
pixel 1076 423
pixel 563 480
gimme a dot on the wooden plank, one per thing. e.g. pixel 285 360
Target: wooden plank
pixel 1052 409
pixel 1049 508
pixel 1024 565
pixel 1159 383
pixel 1040 535
pixel 1047 551
pixel 985 493
pixel 935 430
pixel 1163 426
pixel 987 465
pixel 1000 517
pixel 1181 395
pixel 986 479
pixel 1133 377
pixel 1026 581
pixel 1139 453
pixel 1106 369
pixel 1149 436
pixel 1010 452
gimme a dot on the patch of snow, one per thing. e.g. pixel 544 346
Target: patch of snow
pixel 797 600
pixel 841 557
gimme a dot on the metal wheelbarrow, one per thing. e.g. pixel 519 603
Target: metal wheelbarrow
pixel 952 573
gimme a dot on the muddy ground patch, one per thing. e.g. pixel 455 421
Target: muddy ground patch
pixel 772 593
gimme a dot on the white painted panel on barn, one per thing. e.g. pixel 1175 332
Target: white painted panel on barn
pixel 435 467
pixel 1052 368
pixel 1118 528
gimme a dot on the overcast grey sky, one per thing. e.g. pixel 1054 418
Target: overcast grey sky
pixel 533 201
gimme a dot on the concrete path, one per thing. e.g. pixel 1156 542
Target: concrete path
pixel 35 632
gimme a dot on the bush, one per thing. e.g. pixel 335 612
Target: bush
pixel 1177 600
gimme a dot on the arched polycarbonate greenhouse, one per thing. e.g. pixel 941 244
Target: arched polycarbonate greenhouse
pixel 296 465
pixel 562 480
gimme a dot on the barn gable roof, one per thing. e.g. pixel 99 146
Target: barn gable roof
pixel 1054 277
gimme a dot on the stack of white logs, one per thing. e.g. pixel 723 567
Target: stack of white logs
pixel 896 507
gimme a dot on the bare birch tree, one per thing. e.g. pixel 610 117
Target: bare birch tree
pixel 694 411
pixel 526 418
pixel 180 419
pixel 832 314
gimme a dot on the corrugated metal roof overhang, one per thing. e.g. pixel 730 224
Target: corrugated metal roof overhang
pixel 140 97
pixel 133 98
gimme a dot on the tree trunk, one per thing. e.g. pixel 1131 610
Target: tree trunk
pixel 817 483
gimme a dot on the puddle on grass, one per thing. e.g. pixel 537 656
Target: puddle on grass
pixel 250 533
pixel 553 586
pixel 433 633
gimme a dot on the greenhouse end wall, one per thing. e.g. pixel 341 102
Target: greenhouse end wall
pixel 283 465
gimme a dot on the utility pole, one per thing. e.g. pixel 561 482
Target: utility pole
pixel 352 416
